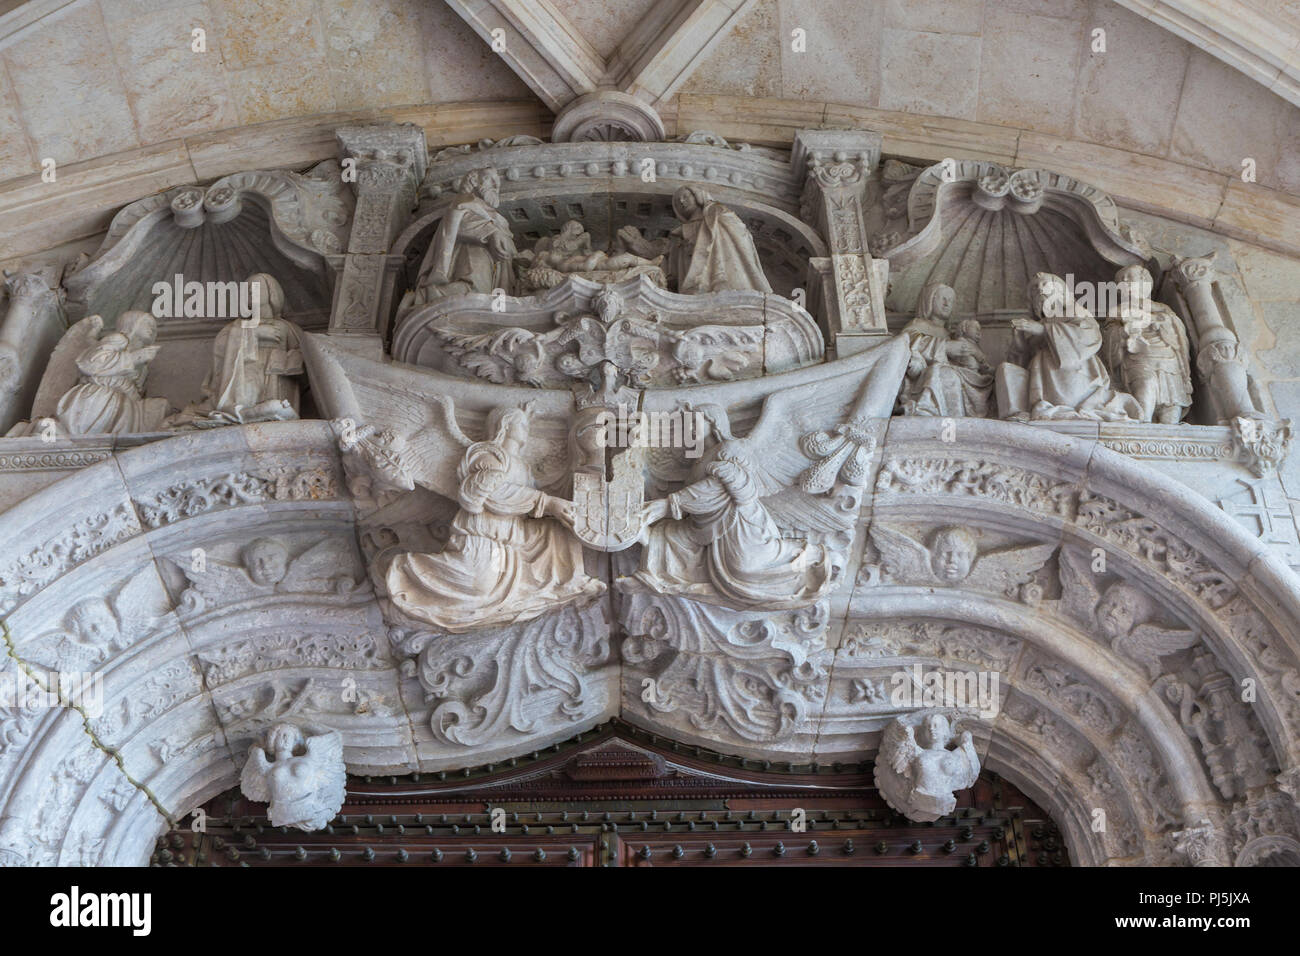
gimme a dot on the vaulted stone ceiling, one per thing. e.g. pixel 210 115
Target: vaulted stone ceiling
pixel 86 79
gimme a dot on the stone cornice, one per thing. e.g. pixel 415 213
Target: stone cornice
pixel 36 216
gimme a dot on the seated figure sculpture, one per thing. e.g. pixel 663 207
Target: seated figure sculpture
pixel 1065 377
pixel 711 251
pixel 947 374
pixel 1147 350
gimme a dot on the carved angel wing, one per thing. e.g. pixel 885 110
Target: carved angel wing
pixel 61 372
pixel 140 604
pixel 1006 569
pixel 328 770
pixel 972 768
pixel 1079 594
pixel 1147 643
pixel 799 403
pixel 217 584
pixel 903 558
pixel 900 747
pixel 254 778
pixel 329 565
pixel 414 404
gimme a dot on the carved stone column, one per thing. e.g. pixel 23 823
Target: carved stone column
pixel 387 164
pixel 838 164
pixel 1261 442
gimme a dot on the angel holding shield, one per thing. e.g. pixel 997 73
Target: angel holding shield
pixel 505 562
pixel 722 543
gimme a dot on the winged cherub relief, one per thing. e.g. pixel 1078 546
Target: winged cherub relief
pixel 918 777
pixel 95 628
pixel 953 557
pixel 1121 613
pixel 268 566
pixel 303 781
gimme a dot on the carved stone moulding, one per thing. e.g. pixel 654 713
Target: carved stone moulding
pixel 696 338
pixel 555 168
pixel 505 690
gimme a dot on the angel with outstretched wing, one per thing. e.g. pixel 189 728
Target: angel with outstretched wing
pixel 506 560
pixel 742 532
pixel 304 779
pixel 918 778
pixel 94 381
pixel 953 556
pixel 1121 614
pixel 96 628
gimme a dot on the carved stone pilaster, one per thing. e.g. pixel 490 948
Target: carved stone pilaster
pixel 387 164
pixel 29 330
pixel 838 164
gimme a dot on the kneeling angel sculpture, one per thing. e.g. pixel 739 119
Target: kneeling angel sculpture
pixel 505 561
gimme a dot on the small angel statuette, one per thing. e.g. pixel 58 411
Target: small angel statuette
pixel 954 557
pixel 918 778
pixel 303 780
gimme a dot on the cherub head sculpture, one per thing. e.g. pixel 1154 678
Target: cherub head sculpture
pixel 952 554
pixel 266 561
pixel 1122 607
pixel 94 622
pixel 938 731
pixel 284 741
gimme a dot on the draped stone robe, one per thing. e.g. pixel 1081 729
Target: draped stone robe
pixel 714 252
pixel 944 388
pixel 500 565
pixel 1067 378
pixel 722 545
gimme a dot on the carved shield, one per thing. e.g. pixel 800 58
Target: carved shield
pixel 607 513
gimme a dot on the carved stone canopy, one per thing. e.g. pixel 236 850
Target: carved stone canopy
pixel 275 221
pixel 1013 223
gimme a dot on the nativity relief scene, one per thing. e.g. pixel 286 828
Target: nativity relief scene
pixel 457 458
